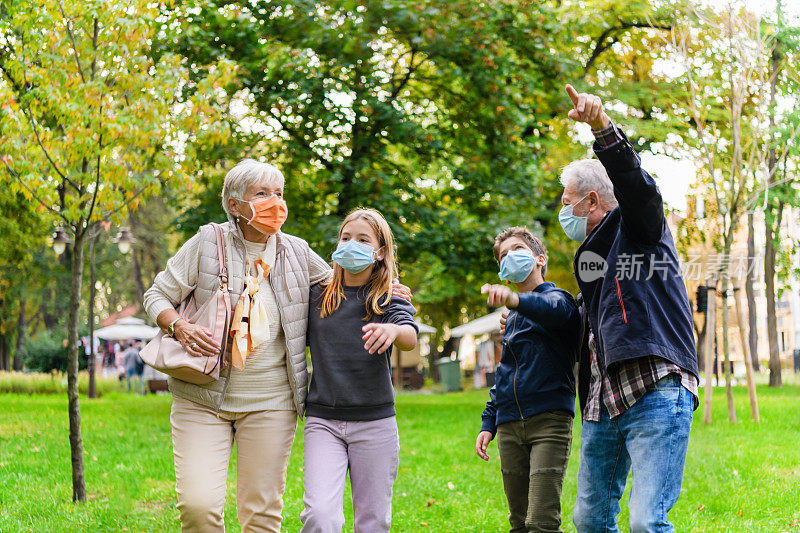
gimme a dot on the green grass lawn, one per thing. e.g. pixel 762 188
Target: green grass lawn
pixel 742 478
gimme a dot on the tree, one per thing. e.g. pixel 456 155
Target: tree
pixel 727 79
pixel 437 113
pixel 93 123
pixel 785 51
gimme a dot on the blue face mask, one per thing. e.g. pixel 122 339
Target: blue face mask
pixel 353 256
pixel 517 265
pixel 574 226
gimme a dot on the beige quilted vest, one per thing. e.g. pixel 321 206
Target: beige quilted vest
pixel 290 282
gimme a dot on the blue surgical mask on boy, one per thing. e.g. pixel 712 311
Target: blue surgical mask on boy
pixel 517 265
pixel 574 226
pixel 353 256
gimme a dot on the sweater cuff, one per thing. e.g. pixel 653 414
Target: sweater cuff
pixel 157 307
pixel 489 425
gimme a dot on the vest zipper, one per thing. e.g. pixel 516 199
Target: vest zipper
pixel 516 366
pixel 289 369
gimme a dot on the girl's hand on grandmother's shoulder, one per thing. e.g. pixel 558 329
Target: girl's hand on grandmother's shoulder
pixel 400 290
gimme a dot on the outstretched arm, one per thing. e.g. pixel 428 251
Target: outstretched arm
pixel 640 202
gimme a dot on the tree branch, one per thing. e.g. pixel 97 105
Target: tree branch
pixel 15 175
pixel 29 116
pixel 302 140
pixel 601 46
pixel 72 39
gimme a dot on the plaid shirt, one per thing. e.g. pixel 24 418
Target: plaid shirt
pixel 628 381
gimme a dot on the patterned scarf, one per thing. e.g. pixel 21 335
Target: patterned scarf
pixel 251 318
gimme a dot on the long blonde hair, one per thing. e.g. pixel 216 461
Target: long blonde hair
pixel 383 271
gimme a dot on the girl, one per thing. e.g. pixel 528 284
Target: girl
pixel 350 425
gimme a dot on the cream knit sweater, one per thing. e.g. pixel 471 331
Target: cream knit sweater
pixel 263 383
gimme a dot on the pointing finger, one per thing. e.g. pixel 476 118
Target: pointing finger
pixel 573 94
pixel 581 105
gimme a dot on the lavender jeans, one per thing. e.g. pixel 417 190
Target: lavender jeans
pixel 369 451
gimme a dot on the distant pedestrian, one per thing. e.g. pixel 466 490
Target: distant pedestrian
pixel 134 366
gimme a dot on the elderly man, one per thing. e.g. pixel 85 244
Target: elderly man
pixel 638 369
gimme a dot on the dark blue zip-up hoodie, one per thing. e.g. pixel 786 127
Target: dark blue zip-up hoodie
pixel 540 348
pixel 638 307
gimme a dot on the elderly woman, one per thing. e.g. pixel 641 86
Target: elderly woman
pixel 262 387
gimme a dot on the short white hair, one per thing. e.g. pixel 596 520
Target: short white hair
pixel 589 175
pixel 246 173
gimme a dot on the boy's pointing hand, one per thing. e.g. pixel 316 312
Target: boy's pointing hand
pixel 500 295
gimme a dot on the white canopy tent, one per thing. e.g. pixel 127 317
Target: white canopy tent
pixel 473 332
pixel 480 326
pixel 425 328
pixel 127 328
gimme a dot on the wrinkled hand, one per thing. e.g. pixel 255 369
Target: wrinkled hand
pixel 379 337
pixel 188 334
pixel 484 438
pixel 503 319
pixel 500 295
pixel 400 290
pixel 587 108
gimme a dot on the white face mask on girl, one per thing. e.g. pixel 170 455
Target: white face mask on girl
pixel 354 256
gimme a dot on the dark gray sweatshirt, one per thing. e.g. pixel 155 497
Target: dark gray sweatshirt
pixel 347 382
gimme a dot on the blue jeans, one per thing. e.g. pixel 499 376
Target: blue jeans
pixel 651 438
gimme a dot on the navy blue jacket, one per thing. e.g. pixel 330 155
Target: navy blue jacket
pixel 638 307
pixel 540 348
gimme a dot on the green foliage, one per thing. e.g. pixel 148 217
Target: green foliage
pixel 439 114
pixel 46 352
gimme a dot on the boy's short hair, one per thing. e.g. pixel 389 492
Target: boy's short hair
pixel 536 245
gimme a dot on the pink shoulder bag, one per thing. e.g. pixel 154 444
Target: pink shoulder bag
pixel 167 355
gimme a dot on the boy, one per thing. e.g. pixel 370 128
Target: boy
pixel 532 404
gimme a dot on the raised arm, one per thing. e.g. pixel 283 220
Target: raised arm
pixel 640 203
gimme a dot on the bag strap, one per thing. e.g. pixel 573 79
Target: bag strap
pixel 221 257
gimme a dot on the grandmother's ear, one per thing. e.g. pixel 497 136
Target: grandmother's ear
pixel 233 207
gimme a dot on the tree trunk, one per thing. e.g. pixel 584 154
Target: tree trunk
pixel 20 336
pixel 701 345
pixel 726 349
pixel 772 236
pixel 748 358
pixel 4 356
pixel 710 349
pixel 137 264
pixel 769 280
pixel 75 441
pixel 92 392
pixel 752 320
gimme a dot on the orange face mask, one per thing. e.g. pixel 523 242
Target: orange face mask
pixel 269 214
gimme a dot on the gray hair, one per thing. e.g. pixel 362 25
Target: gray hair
pixel 246 173
pixel 589 175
